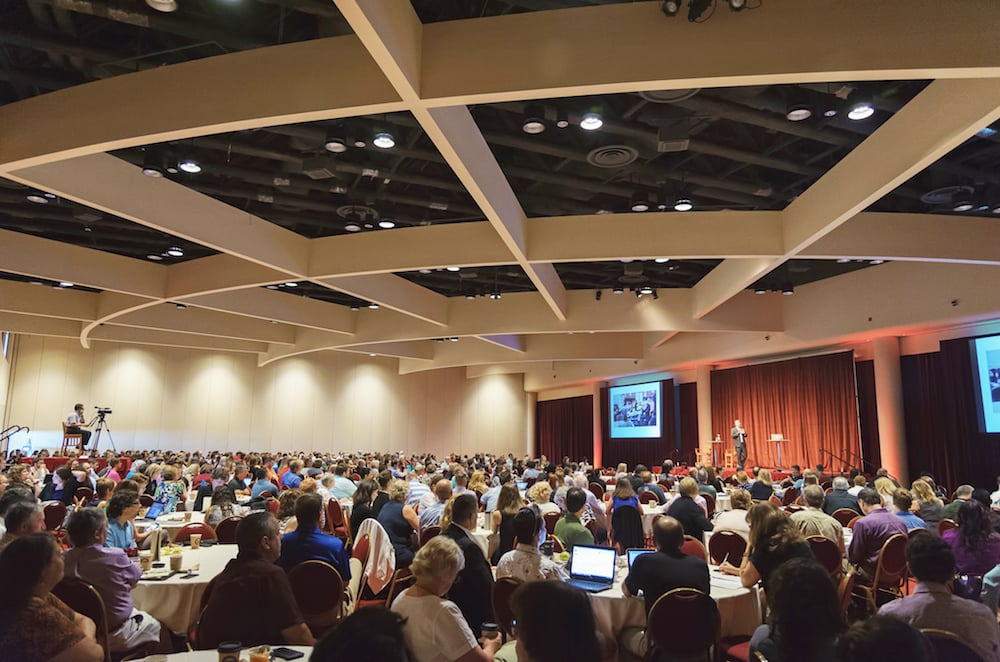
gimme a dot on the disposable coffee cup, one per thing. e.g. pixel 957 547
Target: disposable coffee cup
pixel 175 562
pixel 145 560
pixel 229 651
pixel 489 631
pixel 195 540
pixel 187 516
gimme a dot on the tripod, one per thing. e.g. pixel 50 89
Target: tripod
pixel 102 426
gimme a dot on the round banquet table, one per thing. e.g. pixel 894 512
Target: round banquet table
pixel 174 521
pixel 189 503
pixel 175 601
pixel 739 607
pixel 213 656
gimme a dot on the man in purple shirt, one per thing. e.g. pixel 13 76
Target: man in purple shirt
pixel 114 576
pixel 871 531
pixel 932 604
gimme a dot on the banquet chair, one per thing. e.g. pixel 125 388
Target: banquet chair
pixel 503 589
pixel 949 646
pixel 845 591
pixel 725 545
pixel 790 495
pixel 145 500
pixel 550 521
pixel 529 481
pixel 828 555
pixel 592 527
pixel 84 493
pixel 55 514
pixel 273 505
pixel 693 547
pixel 844 515
pixel 225 531
pixel 557 545
pixel 946 525
pixel 648 497
pixel 427 534
pixel 684 622
pixel 180 507
pixel 597 490
pixel 850 525
pixel 319 592
pixel 626 527
pixel 890 572
pixel 402 579
pixel 183 534
pixel 709 505
pixel 82 597
pixel 775 500
pixel 76 440
pixel 339 525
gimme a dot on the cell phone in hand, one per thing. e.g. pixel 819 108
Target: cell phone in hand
pixel 287 653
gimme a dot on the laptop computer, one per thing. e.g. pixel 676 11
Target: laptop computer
pixel 592 568
pixel 635 552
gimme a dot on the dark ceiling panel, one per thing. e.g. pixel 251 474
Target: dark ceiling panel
pixel 42 282
pixel 471 282
pixel 794 273
pixel 633 274
pixel 318 292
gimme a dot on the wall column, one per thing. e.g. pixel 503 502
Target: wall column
pixel 703 375
pixel 598 459
pixel 530 416
pixel 889 403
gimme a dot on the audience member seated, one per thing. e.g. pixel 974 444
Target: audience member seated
pixel 372 634
pixel 35 626
pixel 975 544
pixel 362 503
pixel 343 487
pixel 881 638
pixel 207 487
pixel 902 505
pixel 238 483
pixel 871 532
pixel 624 495
pixel 114 576
pixel 814 522
pixel 308 543
pixel 262 484
pixel 962 494
pixel 223 505
pixel 11 497
pixel 885 488
pixel 735 520
pixel 932 604
pixel 472 592
pixel 382 498
pixel 508 504
pixel 122 510
pixel 419 490
pixel 103 491
pixel 927 504
pixel 399 521
pixel 774 539
pixel 541 494
pixel 804 616
pixel 555 621
pixel 840 497
pixel 762 489
pixel 431 516
pixel 649 485
pixel 251 601
pixel 292 478
pixel 524 562
pixel 435 628
pixel 594 510
pixel 171 491
pixel 489 498
pixel 687 512
pixel 570 529
pixel 22 519
pixel 665 570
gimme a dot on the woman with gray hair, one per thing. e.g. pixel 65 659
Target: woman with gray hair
pixel 400 521
pixel 435 629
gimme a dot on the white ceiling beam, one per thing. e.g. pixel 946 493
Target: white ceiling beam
pixel 34 325
pixel 139 336
pixel 219 273
pixel 200 321
pixel 507 340
pixel 395 293
pixel 202 97
pixel 420 350
pixel 286 308
pixel 57 302
pixel 631 47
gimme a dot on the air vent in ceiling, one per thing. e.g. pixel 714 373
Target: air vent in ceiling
pixel 946 195
pixel 358 213
pixel 670 96
pixel 612 156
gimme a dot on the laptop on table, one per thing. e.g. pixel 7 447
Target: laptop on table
pixel 635 552
pixel 592 568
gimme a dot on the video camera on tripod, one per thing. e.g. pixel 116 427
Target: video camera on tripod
pixel 103 411
pixel 102 426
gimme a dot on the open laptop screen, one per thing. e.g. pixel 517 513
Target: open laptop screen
pixel 593 562
pixel 635 553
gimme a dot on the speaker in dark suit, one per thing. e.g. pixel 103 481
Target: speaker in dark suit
pixel 474 586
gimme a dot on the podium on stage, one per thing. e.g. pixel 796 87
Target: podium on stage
pixel 777 439
pixel 715 450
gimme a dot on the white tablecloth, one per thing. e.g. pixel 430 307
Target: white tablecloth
pixel 722 503
pixel 739 607
pixel 213 656
pixel 175 601
pixel 174 521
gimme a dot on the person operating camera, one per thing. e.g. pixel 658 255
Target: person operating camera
pixel 75 423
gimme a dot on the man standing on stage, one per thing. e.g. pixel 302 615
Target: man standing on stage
pixel 740 441
pixel 74 422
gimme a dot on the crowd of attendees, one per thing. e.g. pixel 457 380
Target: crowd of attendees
pixel 430 512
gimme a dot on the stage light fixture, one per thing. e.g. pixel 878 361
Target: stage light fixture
pixel 696 8
pixel 534 119
pixel 861 110
pixel 189 165
pixel 683 204
pixel 591 122
pixel 384 141
pixel 670 8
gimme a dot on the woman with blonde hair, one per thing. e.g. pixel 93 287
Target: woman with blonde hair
pixel 435 630
pixel 171 491
pixel 774 539
pixel 478 482
pixel 509 502
pixel 762 489
pixel 743 480
pixel 926 503
pixel 541 494
pixel 885 488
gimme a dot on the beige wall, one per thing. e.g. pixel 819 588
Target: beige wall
pixel 197 400
pixel 5 380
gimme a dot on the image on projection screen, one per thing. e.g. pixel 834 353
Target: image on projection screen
pixel 635 411
pixel 988 364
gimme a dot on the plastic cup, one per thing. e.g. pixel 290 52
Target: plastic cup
pixel 260 654
pixel 145 560
pixel 195 540
pixel 175 562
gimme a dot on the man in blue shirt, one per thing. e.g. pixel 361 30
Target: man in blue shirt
pixel 262 484
pixel 292 478
pixel 308 543
pixel 489 499
pixel 343 487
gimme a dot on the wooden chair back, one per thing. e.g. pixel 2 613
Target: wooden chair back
pixel 183 534
pixel 225 531
pixel 83 598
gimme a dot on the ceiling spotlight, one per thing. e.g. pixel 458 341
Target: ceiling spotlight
pixel 787 289
pixel 696 8
pixel 861 110
pixel 37 198
pixel 181 306
pixel 453 338
pixel 454 268
pixel 683 204
pixel 152 166
pixel 154 257
pixel 798 112
pixel 760 290
pixel 646 290
pixel 386 224
pixel 876 261
pixel 996 210
pixel 65 283
pixel 640 201
pixel 355 307
pixel 670 7
pixel 963 206
pixel 425 271
pixel 373 306
pixel 165 6
pixel 495 295
pixel 618 290
pixel 352 227
pixel 534 119
pixel 830 112
pixel 591 122
pixel 175 251
pixel 291 284
pixel 562 119
pixel 843 260
pixel 661 260
pixel 359 143
pixel 470 296
pixel 335 143
pixel 737 5
pixel 384 141
pixel 189 165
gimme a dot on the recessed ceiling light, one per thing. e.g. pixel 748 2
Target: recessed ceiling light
pixel 369 226
pixel 386 224
pixel 384 141
pixel 996 210
pixel 830 112
pixel 272 287
pixel 591 122
pixel 181 306
pixel 373 306
pixel 470 296
pixel 352 227
pixel 861 110
pixel 646 290
pixel 425 271
pixel 335 144
pixel 798 113
pixel 291 284
pixel 152 171
pixel 843 260
pixel 618 290
pixel 683 204
pixel 154 257
pixel 876 261
pixel 65 283
pixel 359 143
pixel 661 260
pixel 454 268
pixel 495 295
pixel 371 354
pixel 165 6
pixel 35 282
pixel 189 165
pixel 37 198
pixel 355 307
pixel 175 251
pixel 760 290
pixel 626 260
pixel 963 206
pixel 640 205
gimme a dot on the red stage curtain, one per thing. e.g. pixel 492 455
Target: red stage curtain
pixel 689 422
pixel 565 427
pixel 868 413
pixel 641 451
pixel 811 401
